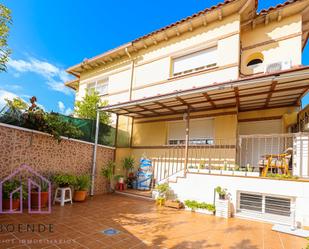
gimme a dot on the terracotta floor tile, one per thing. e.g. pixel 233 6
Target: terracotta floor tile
pixel 143 225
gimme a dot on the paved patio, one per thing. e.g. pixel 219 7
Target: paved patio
pixel 141 225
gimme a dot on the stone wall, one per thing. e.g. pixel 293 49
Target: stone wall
pixel 43 153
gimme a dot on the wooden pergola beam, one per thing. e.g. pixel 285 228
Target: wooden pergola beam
pixel 184 102
pixel 271 91
pixel 146 109
pixel 209 100
pixel 165 106
pixel 236 91
pixel 170 108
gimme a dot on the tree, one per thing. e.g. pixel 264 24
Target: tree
pixel 87 107
pixel 16 104
pixel 5 21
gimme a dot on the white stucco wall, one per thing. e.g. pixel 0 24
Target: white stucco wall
pixel 201 187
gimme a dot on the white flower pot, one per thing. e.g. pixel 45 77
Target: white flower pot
pixel 155 194
pixel 227 172
pixel 240 173
pixel 215 171
pixel 199 210
pixel 253 174
pixel 204 171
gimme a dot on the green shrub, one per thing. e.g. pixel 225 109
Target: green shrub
pixel 199 205
pixel 163 189
pixel 221 191
pixel 63 180
pixel 9 187
pixel 128 164
pixel 107 170
pixel 82 183
pixel 279 176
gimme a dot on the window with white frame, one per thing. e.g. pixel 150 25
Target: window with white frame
pixel 100 86
pixel 196 61
pixel 201 132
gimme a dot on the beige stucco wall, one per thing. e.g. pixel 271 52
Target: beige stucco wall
pixel 155 133
pixel 152 69
pixel 286 45
pixel 44 154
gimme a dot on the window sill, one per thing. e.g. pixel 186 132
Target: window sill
pixel 193 73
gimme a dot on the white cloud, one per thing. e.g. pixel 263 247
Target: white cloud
pixel 12 87
pixel 54 75
pixel 59 87
pixel 68 111
pixel 61 106
pixel 5 95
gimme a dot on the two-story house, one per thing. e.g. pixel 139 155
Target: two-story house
pixel 211 99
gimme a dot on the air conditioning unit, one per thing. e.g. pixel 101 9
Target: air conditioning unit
pixel 278 66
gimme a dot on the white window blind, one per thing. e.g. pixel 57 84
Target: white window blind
pixel 100 86
pixel 195 61
pixel 201 131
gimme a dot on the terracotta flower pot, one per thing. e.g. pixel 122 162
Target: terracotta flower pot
pixel 6 204
pixel 80 195
pixel 35 199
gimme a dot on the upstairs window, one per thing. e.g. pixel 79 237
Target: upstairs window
pixel 196 61
pixel 100 86
pixel 255 60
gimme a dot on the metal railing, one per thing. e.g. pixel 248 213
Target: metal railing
pixel 220 154
pixel 254 148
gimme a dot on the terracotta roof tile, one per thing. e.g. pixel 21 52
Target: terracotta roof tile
pixel 185 19
pixel 265 11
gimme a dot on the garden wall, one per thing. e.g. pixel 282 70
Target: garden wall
pixel 43 153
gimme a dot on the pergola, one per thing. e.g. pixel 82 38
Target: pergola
pixel 284 88
pixel 258 92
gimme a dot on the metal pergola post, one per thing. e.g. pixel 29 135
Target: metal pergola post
pixel 187 141
pixel 94 158
pixel 116 139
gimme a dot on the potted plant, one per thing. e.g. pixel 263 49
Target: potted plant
pixel 107 172
pixel 221 192
pixel 8 188
pixel 119 178
pixel 215 170
pixel 193 169
pixel 226 169
pixel 128 164
pixel 162 190
pixel 81 187
pixel 64 180
pixel 43 196
pixel 223 207
pixel 174 204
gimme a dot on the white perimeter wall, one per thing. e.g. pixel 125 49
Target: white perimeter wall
pixel 201 188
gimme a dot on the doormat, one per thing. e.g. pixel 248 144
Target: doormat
pixel 110 231
pixel 288 230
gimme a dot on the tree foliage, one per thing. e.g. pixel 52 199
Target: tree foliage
pixel 87 107
pixel 16 104
pixel 33 117
pixel 5 21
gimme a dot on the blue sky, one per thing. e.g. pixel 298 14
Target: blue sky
pixel 51 35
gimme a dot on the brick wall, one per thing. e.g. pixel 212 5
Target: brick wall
pixel 43 153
